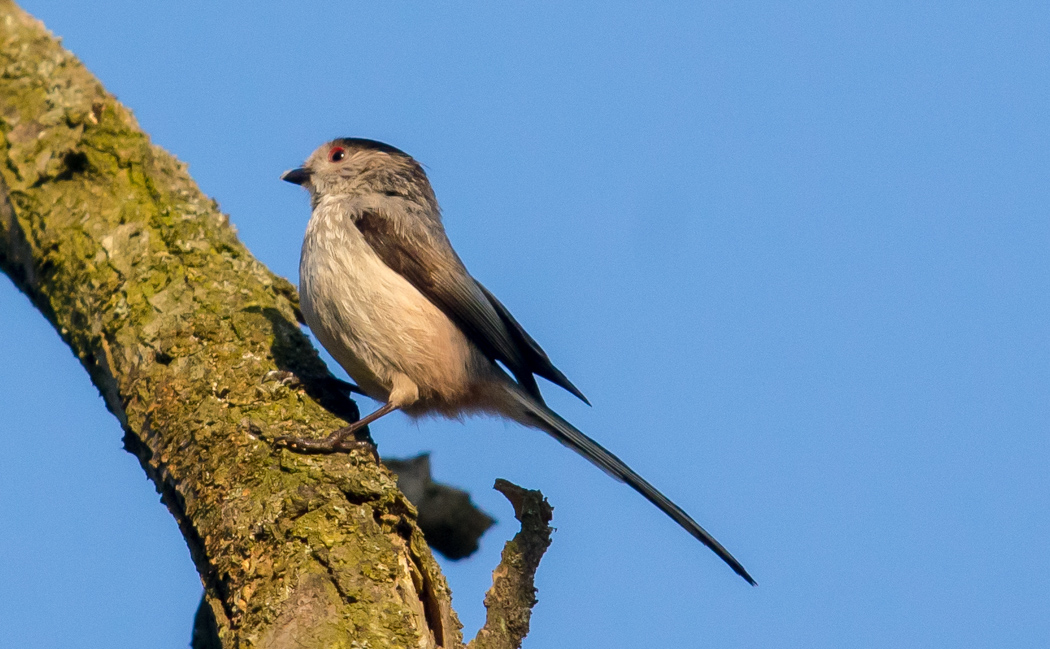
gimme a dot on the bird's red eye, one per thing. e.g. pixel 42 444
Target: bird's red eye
pixel 336 154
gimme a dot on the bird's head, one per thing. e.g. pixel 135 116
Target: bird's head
pixel 356 167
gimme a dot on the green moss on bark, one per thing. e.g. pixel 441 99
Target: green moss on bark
pixel 195 348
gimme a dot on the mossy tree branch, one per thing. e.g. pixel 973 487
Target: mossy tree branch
pixel 194 346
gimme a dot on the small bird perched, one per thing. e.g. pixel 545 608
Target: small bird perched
pixel 384 292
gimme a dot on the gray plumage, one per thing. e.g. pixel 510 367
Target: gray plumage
pixel 387 296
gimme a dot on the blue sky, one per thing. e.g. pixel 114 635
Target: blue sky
pixel 797 257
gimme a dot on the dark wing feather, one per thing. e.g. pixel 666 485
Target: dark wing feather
pixel 535 358
pixel 427 261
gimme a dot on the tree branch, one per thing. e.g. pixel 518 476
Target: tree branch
pixel 513 592
pixel 194 346
pixel 450 522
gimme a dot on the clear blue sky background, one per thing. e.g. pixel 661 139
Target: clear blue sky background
pixel 797 256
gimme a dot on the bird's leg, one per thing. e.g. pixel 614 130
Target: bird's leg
pixel 338 441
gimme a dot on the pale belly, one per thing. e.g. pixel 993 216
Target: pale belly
pixel 378 326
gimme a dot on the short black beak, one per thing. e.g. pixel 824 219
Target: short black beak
pixel 296 176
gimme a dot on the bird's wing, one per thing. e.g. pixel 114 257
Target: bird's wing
pixel 537 359
pixel 426 259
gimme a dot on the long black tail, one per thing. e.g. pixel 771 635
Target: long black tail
pixel 547 420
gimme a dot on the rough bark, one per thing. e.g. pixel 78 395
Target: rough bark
pixel 194 346
pixel 513 592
